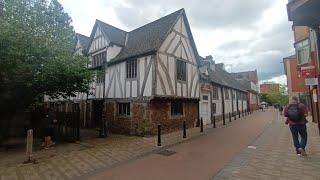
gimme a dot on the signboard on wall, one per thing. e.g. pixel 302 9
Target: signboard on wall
pixel 311 81
pixel 308 71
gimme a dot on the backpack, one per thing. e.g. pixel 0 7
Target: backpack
pixel 294 113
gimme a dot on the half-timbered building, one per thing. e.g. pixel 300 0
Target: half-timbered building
pixel 220 94
pixel 145 77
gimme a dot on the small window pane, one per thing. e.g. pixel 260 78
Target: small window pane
pixel 176 108
pixel 123 108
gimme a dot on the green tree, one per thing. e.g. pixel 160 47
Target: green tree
pixel 36 51
pixel 278 95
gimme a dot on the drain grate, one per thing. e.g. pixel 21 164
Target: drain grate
pixel 167 153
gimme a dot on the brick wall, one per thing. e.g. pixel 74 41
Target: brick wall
pixel 145 116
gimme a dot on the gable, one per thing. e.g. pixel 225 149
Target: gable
pixel 178 43
pixel 98 40
pixel 78 45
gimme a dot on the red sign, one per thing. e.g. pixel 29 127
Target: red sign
pixel 308 71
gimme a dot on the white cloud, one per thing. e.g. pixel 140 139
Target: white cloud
pixel 279 79
pixel 246 34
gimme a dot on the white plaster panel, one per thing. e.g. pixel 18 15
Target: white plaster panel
pixel 197 93
pixel 191 52
pixel 148 87
pixel 141 64
pixel 127 89
pixel 184 29
pixel 164 78
pixel 183 53
pixel 174 44
pixel 166 42
pixel 178 52
pixel 112 52
pixel 122 71
pixel 172 71
pixel 178 89
pixel 240 105
pixel 177 26
pixel 134 89
pixel 189 74
pixel 116 82
pixel 159 88
pixel 184 87
pixel 163 59
pixel 97 91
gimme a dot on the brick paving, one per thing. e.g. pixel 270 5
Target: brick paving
pixel 275 158
pixel 75 160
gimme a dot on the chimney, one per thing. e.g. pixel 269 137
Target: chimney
pixel 221 65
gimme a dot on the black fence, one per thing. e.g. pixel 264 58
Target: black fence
pixel 66 129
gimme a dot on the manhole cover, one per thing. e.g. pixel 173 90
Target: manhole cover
pixel 167 153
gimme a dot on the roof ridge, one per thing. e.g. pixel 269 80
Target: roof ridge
pixel 182 9
pixel 82 35
pixel 99 21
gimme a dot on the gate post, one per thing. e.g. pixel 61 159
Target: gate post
pixel 29 145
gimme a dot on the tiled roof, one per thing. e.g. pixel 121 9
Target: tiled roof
pixel 84 40
pixel 149 37
pixel 221 77
pixel 115 35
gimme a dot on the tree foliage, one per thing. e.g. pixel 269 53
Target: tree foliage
pixel 278 95
pixel 36 51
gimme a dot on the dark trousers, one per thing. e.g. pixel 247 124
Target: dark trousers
pixel 302 130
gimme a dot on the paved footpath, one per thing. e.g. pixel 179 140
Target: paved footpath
pixel 220 153
pixel 73 161
pixel 275 157
pixel 195 160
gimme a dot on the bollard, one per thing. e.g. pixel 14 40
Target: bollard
pixel 235 115
pixel 184 130
pixel 224 119
pixel 229 117
pixel 214 121
pixel 201 125
pixel 159 134
pixel 29 145
pixel 239 114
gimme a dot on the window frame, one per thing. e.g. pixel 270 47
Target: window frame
pixel 100 78
pixel 226 94
pixel 176 108
pixel 181 70
pixel 132 68
pixel 124 108
pixel 98 59
pixel 302 51
pixel 215 93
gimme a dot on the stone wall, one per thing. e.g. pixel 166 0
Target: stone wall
pixel 145 117
pixel 161 114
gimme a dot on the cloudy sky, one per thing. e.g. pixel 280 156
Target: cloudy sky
pixel 243 34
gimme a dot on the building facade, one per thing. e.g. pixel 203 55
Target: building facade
pixel 144 77
pixel 220 94
pixel 269 88
pixel 295 80
pixel 305 16
pixel 249 79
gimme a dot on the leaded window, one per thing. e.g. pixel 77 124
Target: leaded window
pixel 132 68
pixel 181 68
pixel 124 109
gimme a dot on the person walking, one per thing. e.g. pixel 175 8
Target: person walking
pixel 296 118
pixel 49 121
pixel 281 109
